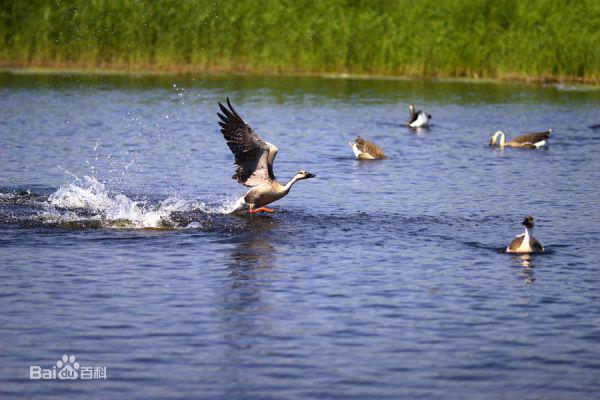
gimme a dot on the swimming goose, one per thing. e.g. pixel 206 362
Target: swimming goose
pixel 366 150
pixel 418 119
pixel 254 160
pixel 526 141
pixel 525 243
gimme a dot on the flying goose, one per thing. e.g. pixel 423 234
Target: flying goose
pixel 366 150
pixel 526 141
pixel 525 242
pixel 417 119
pixel 254 160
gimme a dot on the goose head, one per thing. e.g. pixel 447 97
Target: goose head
pixel 497 137
pixel 304 175
pixel 528 222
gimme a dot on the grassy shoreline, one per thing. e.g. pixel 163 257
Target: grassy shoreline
pixel 149 71
pixel 507 40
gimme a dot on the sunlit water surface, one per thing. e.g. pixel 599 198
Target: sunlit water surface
pixel 374 280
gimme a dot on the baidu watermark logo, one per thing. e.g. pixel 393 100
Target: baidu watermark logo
pixel 67 369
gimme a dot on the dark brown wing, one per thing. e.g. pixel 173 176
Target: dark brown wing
pixel 369 147
pixel 535 244
pixel 532 137
pixel 516 243
pixel 253 156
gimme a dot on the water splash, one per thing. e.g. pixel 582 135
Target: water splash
pixel 88 199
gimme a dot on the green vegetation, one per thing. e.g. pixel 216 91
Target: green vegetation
pixel 539 39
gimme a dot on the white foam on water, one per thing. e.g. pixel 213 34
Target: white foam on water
pixel 117 210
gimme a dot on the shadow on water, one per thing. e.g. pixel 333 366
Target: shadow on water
pixel 526 266
pixel 420 130
pixel 251 256
pixel 250 264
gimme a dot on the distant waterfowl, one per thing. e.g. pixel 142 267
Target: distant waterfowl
pixel 525 243
pixel 254 160
pixel 594 127
pixel 526 141
pixel 366 150
pixel 417 119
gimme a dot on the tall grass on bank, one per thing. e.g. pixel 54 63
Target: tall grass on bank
pixel 471 38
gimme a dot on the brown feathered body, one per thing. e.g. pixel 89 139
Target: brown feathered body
pixel 526 141
pixel 366 150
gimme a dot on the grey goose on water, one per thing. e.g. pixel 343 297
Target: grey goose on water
pixel 526 141
pixel 254 160
pixel 525 242
pixel 417 119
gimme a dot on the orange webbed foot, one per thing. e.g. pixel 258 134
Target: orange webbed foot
pixel 265 209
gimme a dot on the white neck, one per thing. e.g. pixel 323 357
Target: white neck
pixel 355 149
pixel 289 185
pixel 502 138
pixel 528 233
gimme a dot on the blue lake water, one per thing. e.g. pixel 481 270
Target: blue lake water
pixel 374 280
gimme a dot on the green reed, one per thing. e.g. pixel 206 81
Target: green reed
pixel 469 38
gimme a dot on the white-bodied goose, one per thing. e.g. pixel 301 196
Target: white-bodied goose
pixel 526 141
pixel 366 150
pixel 417 119
pixel 526 243
pixel 254 160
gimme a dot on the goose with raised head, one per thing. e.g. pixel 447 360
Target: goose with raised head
pixel 527 141
pixel 366 150
pixel 417 119
pixel 525 242
pixel 254 160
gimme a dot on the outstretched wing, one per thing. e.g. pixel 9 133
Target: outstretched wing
pixel 253 156
pixel 366 146
pixel 532 137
